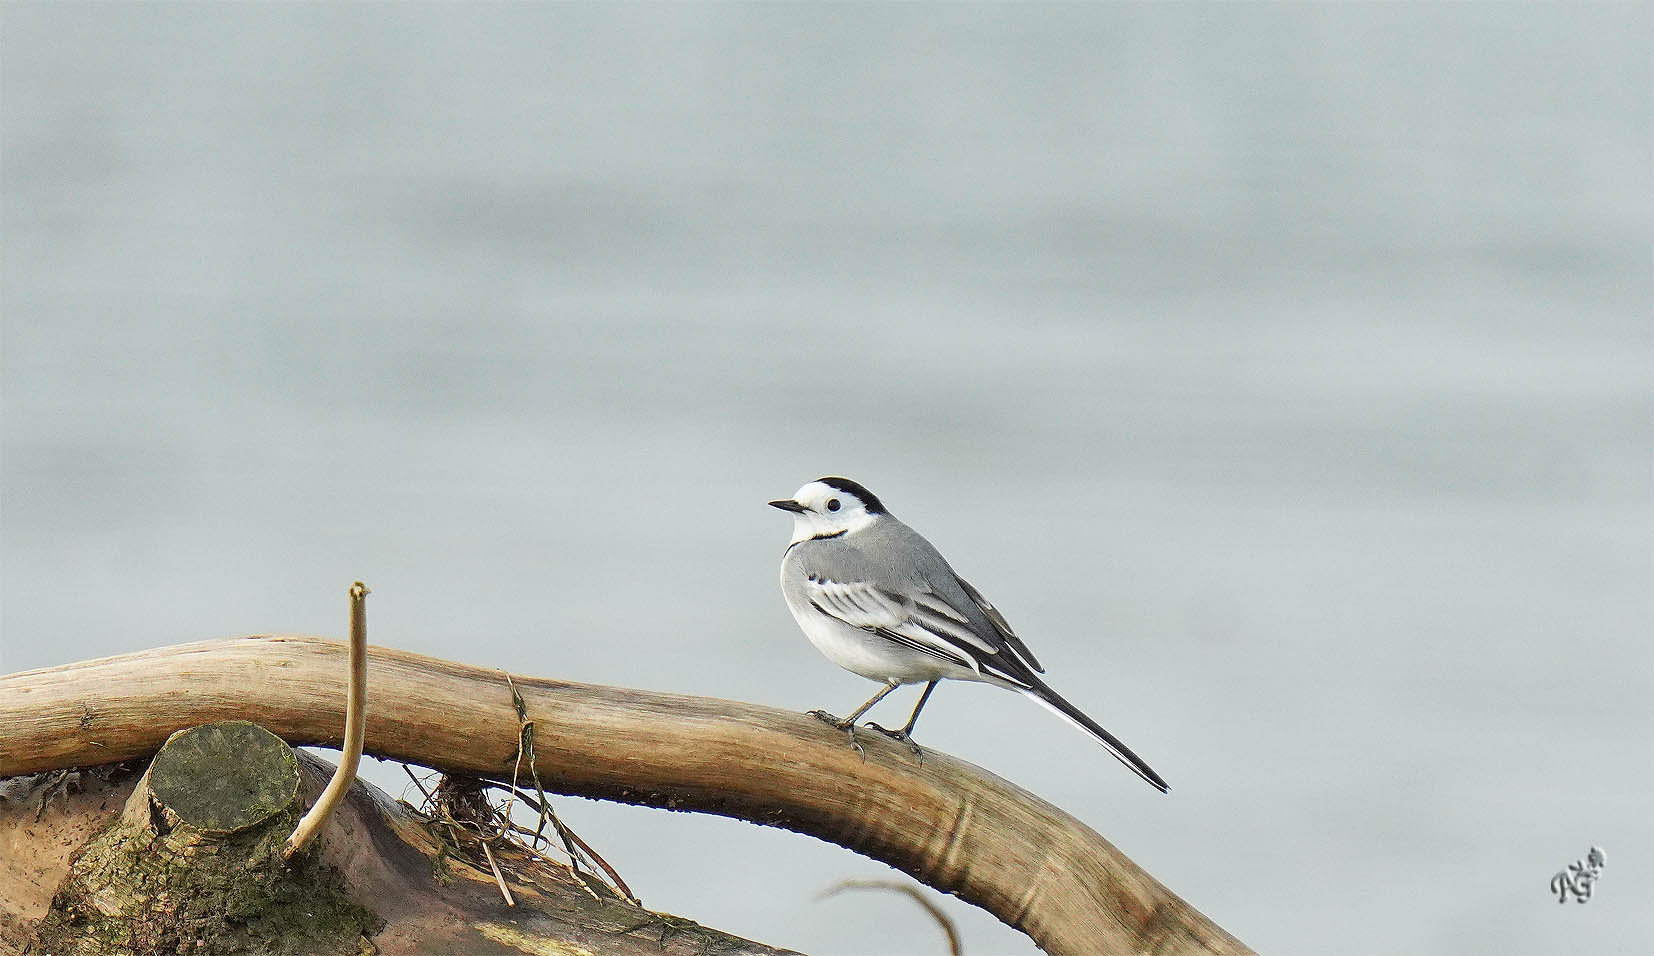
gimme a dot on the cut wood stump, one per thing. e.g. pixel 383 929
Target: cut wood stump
pixel 193 863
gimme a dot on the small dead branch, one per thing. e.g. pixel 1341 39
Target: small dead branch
pixel 426 793
pixel 909 890
pixel 350 757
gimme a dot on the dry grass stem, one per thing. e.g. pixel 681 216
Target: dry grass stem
pixel 505 891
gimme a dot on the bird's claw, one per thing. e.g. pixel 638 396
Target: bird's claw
pixel 901 736
pixel 849 728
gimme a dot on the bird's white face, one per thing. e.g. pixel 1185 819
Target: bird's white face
pixel 823 510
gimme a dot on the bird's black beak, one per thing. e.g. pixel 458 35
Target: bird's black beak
pixel 788 504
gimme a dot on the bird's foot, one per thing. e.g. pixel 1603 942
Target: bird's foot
pixel 848 726
pixel 901 736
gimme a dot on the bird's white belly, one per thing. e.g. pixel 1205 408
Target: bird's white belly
pixel 867 654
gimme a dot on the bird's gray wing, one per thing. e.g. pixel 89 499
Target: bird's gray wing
pixel 1000 624
pixel 921 620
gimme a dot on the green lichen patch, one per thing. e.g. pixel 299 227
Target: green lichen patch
pixel 224 777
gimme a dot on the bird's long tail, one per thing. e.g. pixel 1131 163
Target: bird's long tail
pixel 1044 696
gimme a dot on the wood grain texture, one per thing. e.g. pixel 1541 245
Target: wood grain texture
pixel 948 823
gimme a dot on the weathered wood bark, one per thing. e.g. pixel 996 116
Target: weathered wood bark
pixel 946 822
pixel 191 862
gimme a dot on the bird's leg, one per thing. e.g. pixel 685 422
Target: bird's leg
pixel 850 721
pixel 848 724
pixel 905 735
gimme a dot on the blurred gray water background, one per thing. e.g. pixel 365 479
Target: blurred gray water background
pixel 1283 372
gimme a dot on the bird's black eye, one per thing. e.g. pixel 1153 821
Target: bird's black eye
pixel 832 504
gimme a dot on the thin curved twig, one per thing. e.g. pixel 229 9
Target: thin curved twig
pixel 350 756
pixel 949 931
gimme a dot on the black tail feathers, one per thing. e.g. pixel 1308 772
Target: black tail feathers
pixel 1045 696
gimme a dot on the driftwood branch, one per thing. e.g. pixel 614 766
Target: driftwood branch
pixel 946 822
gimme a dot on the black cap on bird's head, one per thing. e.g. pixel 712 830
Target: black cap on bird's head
pixel 831 496
pixel 868 499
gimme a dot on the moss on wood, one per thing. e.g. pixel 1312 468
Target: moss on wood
pixel 193 864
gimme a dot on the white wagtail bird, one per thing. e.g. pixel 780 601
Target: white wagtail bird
pixel 878 600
